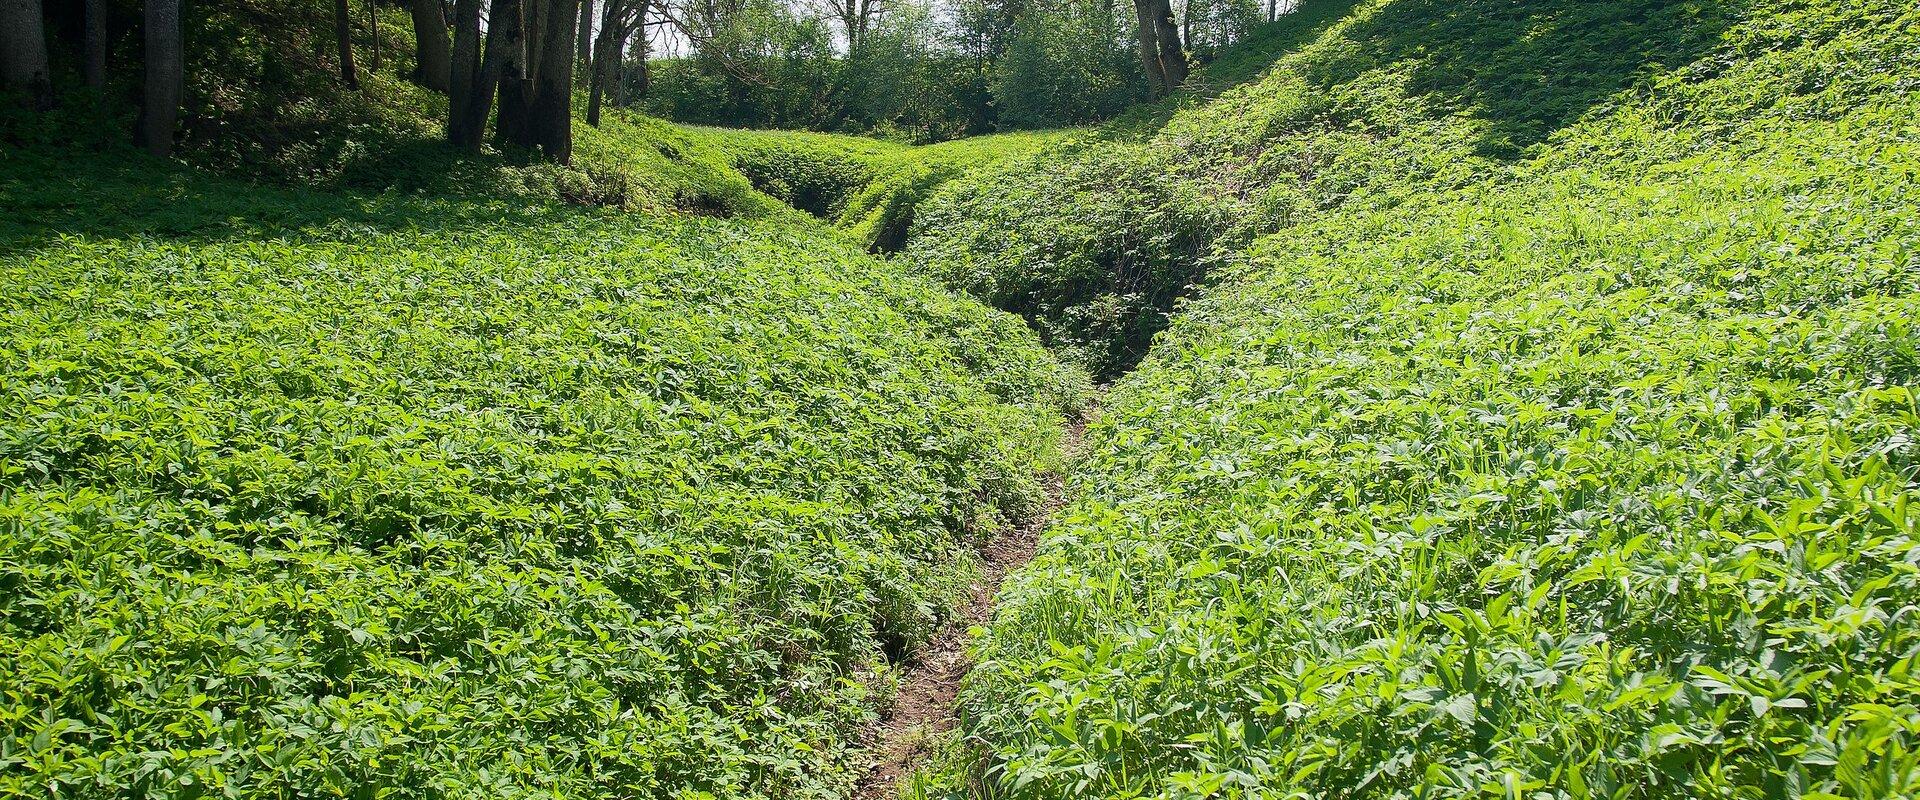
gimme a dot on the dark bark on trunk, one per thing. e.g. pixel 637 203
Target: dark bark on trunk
pixel 1149 48
pixel 617 75
pixel 584 38
pixel 343 35
pixel 373 34
pixel 1173 56
pixel 166 77
pixel 534 26
pixel 643 83
pixel 23 52
pixel 509 21
pixel 552 115
pixel 432 56
pixel 468 96
pixel 604 61
pixel 95 42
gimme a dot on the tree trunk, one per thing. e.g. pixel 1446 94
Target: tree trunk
pixel 1146 39
pixel 552 115
pixel 166 75
pixel 584 38
pixel 23 52
pixel 468 97
pixel 95 43
pixel 534 30
pixel 1186 24
pixel 509 24
pixel 1173 57
pixel 617 76
pixel 603 59
pixel 373 31
pixel 432 59
pixel 343 35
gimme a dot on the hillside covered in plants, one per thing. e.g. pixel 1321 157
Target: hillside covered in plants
pixel 1527 451
pixel 1372 398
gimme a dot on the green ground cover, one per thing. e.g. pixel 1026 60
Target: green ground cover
pixel 1584 470
pixel 307 494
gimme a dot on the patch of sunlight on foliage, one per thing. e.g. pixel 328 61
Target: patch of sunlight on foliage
pixel 1535 452
pixel 1096 241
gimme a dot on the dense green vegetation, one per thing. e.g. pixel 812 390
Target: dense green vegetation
pixel 868 188
pixel 334 495
pixel 1508 399
pixel 1560 441
pixel 1398 99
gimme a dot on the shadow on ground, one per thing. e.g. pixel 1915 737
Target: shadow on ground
pixel 49 193
pixel 1529 67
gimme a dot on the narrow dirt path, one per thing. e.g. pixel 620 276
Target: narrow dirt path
pixel 924 709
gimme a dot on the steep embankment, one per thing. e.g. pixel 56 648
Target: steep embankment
pixel 1561 442
pixel 310 494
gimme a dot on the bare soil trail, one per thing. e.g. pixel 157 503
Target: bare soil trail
pixel 924 710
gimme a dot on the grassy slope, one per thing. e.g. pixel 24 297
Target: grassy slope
pixel 1415 96
pixel 414 494
pixel 1584 472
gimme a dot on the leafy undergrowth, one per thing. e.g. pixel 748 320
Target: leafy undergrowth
pixel 1598 477
pixel 867 187
pixel 1096 240
pixel 308 494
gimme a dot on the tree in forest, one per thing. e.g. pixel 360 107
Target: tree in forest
pixel 604 57
pixel 551 115
pixel 343 34
pixel 638 50
pixel 584 40
pixel 535 41
pixel 620 22
pixel 432 55
pixel 1066 61
pixel 373 35
pixel 510 33
pixel 94 45
pixel 855 18
pixel 1162 54
pixel 166 76
pixel 470 86
pixel 23 52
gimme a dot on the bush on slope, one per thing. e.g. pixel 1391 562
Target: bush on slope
pixel 315 496
pixel 1599 481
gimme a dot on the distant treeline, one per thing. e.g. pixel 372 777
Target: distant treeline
pixel 934 69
